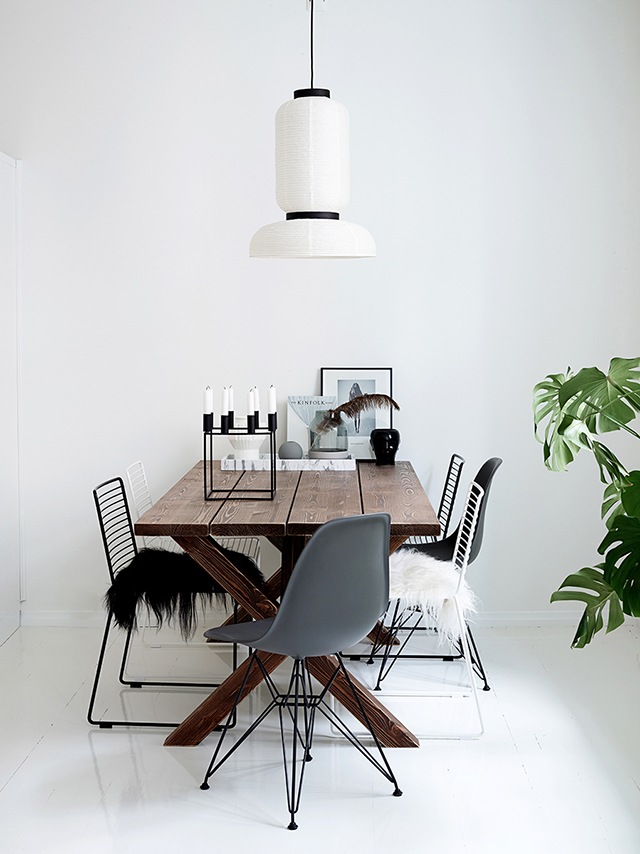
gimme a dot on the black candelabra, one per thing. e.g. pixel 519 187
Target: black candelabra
pixel 239 491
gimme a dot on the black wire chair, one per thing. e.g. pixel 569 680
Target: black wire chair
pixel 120 548
pixel 410 620
pixel 447 501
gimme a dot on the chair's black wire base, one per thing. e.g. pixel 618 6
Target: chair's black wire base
pixel 401 621
pixel 109 724
pixel 297 698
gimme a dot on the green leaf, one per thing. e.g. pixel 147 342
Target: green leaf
pixel 621 550
pixel 614 398
pixel 612 502
pixel 592 621
pixel 631 494
pixel 608 463
pixel 558 450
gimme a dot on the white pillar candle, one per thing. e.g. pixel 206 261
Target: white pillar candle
pixel 208 400
pixel 272 399
pixel 230 398
pixel 250 406
pixel 225 401
pixel 256 398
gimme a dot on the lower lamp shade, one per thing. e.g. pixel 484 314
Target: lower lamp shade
pixel 312 238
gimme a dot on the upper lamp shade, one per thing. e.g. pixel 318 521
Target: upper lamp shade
pixel 312 184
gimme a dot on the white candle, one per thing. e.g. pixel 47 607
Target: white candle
pixel 230 398
pixel 256 398
pixel 225 401
pixel 272 399
pixel 208 400
pixel 250 406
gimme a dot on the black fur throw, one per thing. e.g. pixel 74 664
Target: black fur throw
pixel 171 585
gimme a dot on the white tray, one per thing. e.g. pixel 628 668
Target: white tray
pixel 230 463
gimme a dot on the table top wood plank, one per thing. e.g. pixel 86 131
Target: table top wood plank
pixel 182 511
pixel 303 502
pixel 256 517
pixel 322 496
pixel 397 490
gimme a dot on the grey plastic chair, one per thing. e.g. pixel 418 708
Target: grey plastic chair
pixel 337 592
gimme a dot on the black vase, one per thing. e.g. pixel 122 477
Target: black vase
pixel 385 443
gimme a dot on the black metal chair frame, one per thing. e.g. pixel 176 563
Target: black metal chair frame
pixel 299 693
pixel 116 528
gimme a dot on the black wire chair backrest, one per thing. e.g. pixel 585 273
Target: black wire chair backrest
pixel 449 492
pixel 116 526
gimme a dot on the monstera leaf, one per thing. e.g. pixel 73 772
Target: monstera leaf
pixel 605 402
pixel 631 494
pixel 621 550
pixel 611 469
pixel 559 450
pixel 612 503
pixel 596 593
pixel 622 496
pixel 573 405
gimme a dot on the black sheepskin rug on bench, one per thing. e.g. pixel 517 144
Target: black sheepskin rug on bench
pixel 172 586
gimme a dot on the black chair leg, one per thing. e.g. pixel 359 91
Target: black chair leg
pixel 94 689
pixel 475 657
pixel 295 698
pixel 299 705
pixel 108 724
pixel 139 683
pixel 389 658
pixel 319 702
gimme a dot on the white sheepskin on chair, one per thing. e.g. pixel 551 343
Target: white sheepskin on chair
pixel 421 581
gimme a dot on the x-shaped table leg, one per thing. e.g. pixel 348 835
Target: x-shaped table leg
pixel 210 713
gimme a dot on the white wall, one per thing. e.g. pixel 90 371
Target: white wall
pixel 494 158
pixel 9 447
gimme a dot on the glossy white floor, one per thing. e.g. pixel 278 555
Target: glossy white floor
pixel 558 769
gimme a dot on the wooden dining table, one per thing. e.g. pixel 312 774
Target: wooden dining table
pixel 304 500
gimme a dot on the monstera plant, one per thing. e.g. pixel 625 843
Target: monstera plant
pixel 571 412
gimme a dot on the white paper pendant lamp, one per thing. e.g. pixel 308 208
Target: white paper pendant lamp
pixel 312 183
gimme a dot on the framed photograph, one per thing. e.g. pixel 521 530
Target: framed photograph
pixel 347 383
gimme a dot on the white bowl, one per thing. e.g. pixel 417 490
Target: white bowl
pixel 247 447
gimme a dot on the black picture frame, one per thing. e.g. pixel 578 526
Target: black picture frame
pixel 341 381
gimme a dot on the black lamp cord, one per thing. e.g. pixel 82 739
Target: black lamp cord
pixel 311 52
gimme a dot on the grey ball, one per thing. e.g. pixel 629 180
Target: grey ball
pixel 290 451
